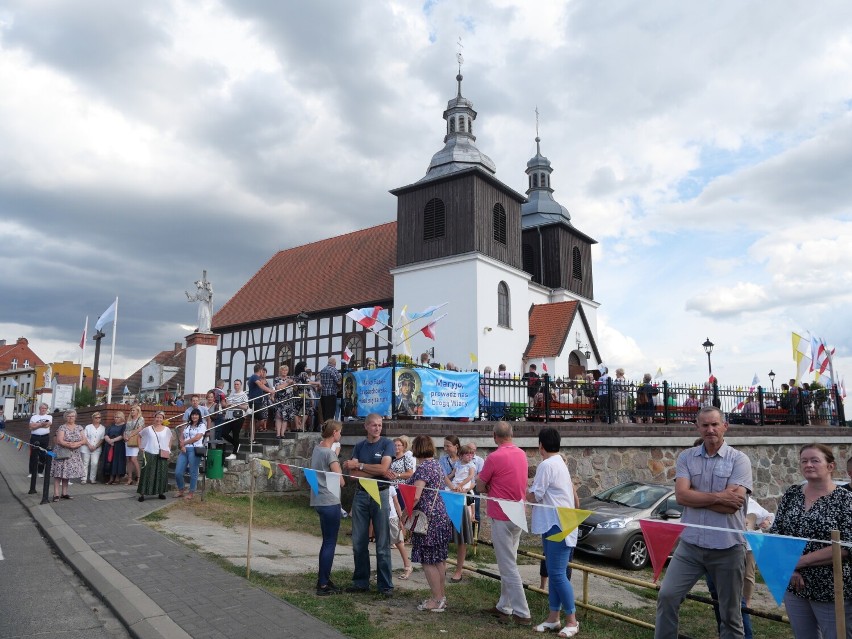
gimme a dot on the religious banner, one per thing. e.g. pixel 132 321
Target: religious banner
pixel 366 392
pixel 435 393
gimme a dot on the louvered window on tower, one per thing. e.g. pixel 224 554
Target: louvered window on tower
pixel 461 124
pixel 499 217
pixel 577 266
pixel 433 219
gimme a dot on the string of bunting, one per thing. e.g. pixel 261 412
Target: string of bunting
pixel 776 555
pixel 20 443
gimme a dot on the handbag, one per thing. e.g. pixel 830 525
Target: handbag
pixel 165 453
pixel 62 453
pixel 418 523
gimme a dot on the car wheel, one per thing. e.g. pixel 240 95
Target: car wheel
pixel 635 553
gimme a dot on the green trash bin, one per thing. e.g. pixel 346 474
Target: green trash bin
pixel 214 464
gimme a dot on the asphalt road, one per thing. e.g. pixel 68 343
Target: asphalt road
pixel 40 596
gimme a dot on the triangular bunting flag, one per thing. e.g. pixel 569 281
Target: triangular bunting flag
pixel 372 488
pixel 311 476
pixel 569 519
pixel 407 492
pixel 515 511
pixel 453 502
pixel 776 556
pixel 265 464
pixel 332 482
pixel 660 538
pixel 286 471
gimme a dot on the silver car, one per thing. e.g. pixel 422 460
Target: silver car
pixel 612 530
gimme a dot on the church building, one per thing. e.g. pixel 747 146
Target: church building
pixel 515 274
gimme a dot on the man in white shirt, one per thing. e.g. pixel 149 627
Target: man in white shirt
pixel 39 439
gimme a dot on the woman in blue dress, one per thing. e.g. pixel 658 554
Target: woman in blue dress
pixel 114 456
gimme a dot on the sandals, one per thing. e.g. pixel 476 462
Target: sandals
pixel 56 498
pixel 546 626
pixel 455 580
pixel 406 572
pixel 438 606
pixel 66 497
pixel 189 496
pixel 569 631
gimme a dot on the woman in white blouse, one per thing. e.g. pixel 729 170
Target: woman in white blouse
pixel 191 440
pixel 553 488
pixel 156 445
pixel 91 450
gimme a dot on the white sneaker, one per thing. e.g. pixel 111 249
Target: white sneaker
pixel 29 476
pixel 82 481
pixel 231 457
pixel 41 475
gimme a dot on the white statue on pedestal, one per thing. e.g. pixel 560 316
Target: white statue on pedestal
pixel 204 297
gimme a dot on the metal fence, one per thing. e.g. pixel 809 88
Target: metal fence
pixel 612 401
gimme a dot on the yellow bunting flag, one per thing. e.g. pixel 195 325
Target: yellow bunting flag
pixel 569 518
pixel 265 464
pixel 372 488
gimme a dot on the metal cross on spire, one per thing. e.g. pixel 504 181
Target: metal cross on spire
pixel 459 56
pixel 537 138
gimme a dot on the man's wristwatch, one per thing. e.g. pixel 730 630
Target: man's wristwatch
pixel 360 466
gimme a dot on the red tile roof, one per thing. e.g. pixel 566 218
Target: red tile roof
pixel 347 270
pixel 549 326
pixel 21 351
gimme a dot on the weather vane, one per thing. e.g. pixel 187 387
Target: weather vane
pixel 536 121
pixel 459 55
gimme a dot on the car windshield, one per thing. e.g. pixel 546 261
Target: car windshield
pixel 634 495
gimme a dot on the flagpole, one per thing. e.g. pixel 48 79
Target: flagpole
pixel 440 306
pixel 112 352
pixel 83 352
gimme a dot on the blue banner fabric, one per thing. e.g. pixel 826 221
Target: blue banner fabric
pixel 434 393
pixel 367 392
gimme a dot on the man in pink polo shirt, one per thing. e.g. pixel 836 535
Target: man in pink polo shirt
pixel 504 476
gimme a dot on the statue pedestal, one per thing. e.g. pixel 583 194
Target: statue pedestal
pixel 200 363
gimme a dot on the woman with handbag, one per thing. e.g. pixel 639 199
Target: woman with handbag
pixel 113 457
pixel 131 442
pixel 191 440
pixel 156 443
pixel 428 523
pixel 68 464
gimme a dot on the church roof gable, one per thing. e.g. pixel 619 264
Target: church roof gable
pixel 350 269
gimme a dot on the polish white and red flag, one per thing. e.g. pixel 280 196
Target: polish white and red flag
pixel 83 339
pixel 429 329
pixel 369 317
pixel 543 365
pixel 821 355
pixel 347 355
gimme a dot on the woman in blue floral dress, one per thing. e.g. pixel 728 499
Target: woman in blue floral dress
pixel 430 549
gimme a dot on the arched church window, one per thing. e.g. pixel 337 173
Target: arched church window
pixel 535 180
pixel 576 264
pixel 461 124
pixel 355 344
pixel 544 179
pixel 499 220
pixel 503 305
pixel 285 356
pixel 434 220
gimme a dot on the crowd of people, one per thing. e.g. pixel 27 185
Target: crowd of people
pixel 713 482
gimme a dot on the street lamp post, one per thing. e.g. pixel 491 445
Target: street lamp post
pixel 302 324
pixel 772 379
pixel 708 348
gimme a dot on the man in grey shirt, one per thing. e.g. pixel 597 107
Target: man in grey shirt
pixel 712 482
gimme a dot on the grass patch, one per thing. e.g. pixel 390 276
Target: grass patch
pixel 368 616
pixel 158 515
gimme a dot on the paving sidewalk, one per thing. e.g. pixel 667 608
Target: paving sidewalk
pixel 157 587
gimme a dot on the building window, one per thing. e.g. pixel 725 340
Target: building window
pixel 26 363
pixel 434 220
pixel 15 364
pixel 528 258
pixel 469 125
pixel 461 124
pixel 577 264
pixel 452 122
pixel 285 358
pixel 535 180
pixel 544 180
pixel 503 305
pixel 355 344
pixel 499 219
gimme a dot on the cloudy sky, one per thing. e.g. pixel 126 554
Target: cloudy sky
pixel 708 148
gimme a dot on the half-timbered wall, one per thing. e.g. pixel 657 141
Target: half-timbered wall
pixel 280 342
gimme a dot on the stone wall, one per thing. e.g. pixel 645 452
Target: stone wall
pixel 597 459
